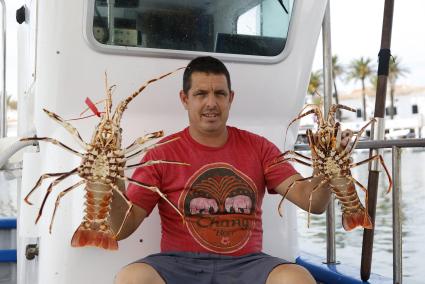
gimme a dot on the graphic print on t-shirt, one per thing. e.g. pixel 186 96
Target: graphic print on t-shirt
pixel 219 203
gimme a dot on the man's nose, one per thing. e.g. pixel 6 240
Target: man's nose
pixel 211 100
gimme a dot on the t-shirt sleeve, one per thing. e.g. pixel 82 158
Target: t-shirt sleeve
pixel 274 174
pixel 149 175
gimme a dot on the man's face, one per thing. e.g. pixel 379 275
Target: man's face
pixel 208 103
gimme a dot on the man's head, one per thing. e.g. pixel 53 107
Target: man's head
pixel 204 64
pixel 207 97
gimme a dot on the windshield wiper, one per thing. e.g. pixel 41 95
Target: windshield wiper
pixel 283 6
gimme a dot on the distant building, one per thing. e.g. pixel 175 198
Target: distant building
pixel 408 122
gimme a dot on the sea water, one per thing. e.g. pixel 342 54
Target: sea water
pixel 349 244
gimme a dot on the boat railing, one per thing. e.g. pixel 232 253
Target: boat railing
pixel 3 70
pixel 395 146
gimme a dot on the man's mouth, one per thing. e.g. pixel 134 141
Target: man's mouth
pixel 210 115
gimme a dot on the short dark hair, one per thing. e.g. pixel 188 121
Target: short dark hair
pixel 204 64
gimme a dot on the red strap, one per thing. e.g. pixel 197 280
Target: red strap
pixel 92 107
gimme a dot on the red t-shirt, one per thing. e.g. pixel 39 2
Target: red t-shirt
pixel 220 193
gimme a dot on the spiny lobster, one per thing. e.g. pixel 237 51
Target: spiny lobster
pixel 102 166
pixel 332 161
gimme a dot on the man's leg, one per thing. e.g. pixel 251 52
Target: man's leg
pixel 289 274
pixel 138 273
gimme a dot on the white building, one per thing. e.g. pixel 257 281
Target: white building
pixel 408 121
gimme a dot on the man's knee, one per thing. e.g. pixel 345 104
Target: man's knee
pixel 140 273
pixel 290 273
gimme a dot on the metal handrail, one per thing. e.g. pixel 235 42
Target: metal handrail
pixel 379 144
pixel 395 146
pixel 3 70
pixel 13 149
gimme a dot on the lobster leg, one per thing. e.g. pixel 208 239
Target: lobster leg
pixel 127 213
pixel 71 129
pixel 375 157
pixel 290 159
pixel 151 188
pixel 50 188
pixel 359 133
pixel 61 194
pixel 53 141
pixel 287 191
pixel 153 162
pixel 293 153
pixel 142 140
pixel 145 149
pixel 319 185
pixel 38 183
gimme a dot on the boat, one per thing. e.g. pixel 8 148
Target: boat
pixel 65 47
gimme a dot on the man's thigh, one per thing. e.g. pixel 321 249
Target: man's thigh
pixel 140 273
pixel 290 273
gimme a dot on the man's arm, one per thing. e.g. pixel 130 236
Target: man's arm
pixel 118 209
pixel 300 192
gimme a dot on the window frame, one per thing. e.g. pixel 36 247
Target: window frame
pixel 181 54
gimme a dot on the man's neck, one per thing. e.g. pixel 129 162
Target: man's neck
pixel 215 139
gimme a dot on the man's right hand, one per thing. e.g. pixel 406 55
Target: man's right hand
pixel 118 209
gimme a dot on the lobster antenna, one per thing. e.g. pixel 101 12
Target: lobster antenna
pixel 319 113
pixel 314 109
pixel 289 125
pixel 333 109
pixel 108 101
pixel 123 104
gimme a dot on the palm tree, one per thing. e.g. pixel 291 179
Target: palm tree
pixel 337 70
pixel 374 81
pixel 315 82
pixel 395 71
pixel 314 85
pixel 361 69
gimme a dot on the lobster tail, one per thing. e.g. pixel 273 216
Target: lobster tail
pixel 359 218
pixel 87 237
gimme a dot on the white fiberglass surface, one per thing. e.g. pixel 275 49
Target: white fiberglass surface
pixel 267 97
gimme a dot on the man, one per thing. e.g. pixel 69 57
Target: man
pixel 220 194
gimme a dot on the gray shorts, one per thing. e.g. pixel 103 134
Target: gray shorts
pixel 205 268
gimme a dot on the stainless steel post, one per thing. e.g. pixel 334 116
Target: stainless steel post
pixel 327 79
pixel 397 236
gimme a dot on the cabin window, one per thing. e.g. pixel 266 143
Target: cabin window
pixel 389 111
pixel 247 27
pixel 415 109
pixel 358 112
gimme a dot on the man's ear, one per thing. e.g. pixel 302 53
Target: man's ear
pixel 183 99
pixel 231 96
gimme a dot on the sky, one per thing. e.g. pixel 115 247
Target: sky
pixel 356 31
pixel 356 27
